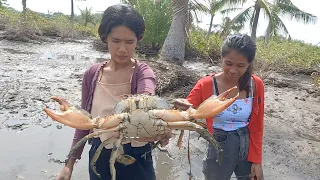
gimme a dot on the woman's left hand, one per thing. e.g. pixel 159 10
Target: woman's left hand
pixel 256 170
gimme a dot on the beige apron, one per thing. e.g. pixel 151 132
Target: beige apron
pixel 105 98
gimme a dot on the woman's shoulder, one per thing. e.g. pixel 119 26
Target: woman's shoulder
pixel 207 79
pixel 257 80
pixel 94 68
pixel 144 68
pixel 142 65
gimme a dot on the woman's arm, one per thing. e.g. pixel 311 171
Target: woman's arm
pixel 79 134
pixel 146 80
pixel 256 126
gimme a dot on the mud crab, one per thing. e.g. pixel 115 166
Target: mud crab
pixel 139 116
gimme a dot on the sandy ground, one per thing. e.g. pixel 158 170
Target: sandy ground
pixel 32 145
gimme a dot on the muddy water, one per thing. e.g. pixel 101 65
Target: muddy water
pixel 33 146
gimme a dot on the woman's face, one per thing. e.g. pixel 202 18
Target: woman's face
pixel 234 65
pixel 122 43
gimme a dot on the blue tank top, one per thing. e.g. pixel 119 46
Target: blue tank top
pixel 237 115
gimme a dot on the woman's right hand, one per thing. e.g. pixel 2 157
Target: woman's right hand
pixel 65 174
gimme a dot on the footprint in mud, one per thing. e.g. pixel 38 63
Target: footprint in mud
pixel 17 124
pixel 55 160
pixel 307 136
pixel 76 76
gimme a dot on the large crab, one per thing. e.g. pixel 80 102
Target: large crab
pixel 139 116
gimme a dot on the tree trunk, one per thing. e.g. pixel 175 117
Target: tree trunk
pixel 210 26
pixel 72 19
pixel 255 22
pixel 72 12
pixel 173 48
pixel 24 5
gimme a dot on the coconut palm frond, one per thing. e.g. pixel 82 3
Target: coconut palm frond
pixel 230 10
pixel 275 26
pixel 243 16
pixel 297 14
pixel 288 2
pixel 266 7
pixel 232 3
pixel 280 26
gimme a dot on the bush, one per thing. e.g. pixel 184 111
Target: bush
pixel 30 25
pixel 286 56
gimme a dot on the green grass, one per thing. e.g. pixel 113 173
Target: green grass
pixel 282 55
pixel 32 24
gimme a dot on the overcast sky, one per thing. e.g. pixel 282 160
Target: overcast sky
pixel 308 33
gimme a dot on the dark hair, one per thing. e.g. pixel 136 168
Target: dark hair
pixel 121 14
pixel 247 47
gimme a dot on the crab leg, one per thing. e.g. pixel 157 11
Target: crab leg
pixel 124 159
pixel 187 125
pixel 214 105
pixel 97 154
pixel 84 139
pixel 78 118
pixel 113 157
pixel 209 108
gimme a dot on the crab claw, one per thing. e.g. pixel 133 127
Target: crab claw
pixel 71 116
pixel 214 105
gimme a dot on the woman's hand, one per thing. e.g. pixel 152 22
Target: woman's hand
pixel 256 171
pixel 65 174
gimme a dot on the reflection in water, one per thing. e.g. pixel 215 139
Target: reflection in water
pixel 37 153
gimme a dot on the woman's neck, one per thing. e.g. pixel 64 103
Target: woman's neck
pixel 113 65
pixel 230 82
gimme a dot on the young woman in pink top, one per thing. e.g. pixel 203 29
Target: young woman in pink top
pixel 104 84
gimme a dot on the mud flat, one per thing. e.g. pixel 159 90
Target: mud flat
pixel 33 146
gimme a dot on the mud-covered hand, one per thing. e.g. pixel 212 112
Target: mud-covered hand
pixel 65 174
pixel 165 140
pixel 256 171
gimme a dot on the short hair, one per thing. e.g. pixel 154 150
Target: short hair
pixel 121 14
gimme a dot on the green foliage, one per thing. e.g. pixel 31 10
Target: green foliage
pixel 282 55
pixel 31 24
pixel 157 16
pixel 292 56
pixel 87 16
pixel 198 43
pixel 2 3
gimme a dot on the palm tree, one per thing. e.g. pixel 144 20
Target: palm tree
pixel 215 7
pixel 184 12
pixel 227 27
pixel 87 16
pixel 272 12
pixel 173 48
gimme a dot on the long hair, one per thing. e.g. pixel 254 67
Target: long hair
pixel 247 47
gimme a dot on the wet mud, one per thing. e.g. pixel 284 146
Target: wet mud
pixel 34 147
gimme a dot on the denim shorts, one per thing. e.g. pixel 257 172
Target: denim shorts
pixel 141 169
pixel 235 145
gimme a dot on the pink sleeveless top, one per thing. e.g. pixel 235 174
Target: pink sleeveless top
pixel 105 97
